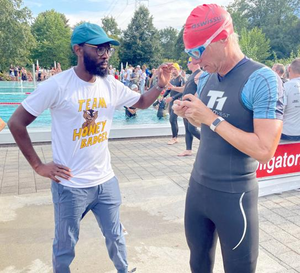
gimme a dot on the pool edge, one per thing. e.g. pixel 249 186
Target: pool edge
pixel 129 131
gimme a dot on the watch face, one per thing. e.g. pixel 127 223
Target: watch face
pixel 216 122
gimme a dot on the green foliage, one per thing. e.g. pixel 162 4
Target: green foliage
pixel 278 19
pixel 180 54
pixel 285 61
pixel 140 43
pixel 254 44
pixel 110 26
pixel 238 18
pixel 16 40
pixel 115 58
pixel 168 38
pixel 4 77
pixel 53 37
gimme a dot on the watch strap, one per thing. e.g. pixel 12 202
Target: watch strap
pixel 159 88
pixel 216 122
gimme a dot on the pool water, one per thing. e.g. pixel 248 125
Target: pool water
pixel 13 93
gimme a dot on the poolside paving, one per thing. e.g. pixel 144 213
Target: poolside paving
pixel 153 183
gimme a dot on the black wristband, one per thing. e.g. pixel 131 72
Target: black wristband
pixel 159 88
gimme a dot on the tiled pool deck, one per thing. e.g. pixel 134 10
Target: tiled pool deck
pixel 153 182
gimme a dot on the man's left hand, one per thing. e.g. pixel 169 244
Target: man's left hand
pixel 197 112
pixel 164 74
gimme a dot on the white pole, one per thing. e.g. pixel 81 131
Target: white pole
pixel 33 74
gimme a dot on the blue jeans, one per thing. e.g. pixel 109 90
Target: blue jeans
pixel 71 205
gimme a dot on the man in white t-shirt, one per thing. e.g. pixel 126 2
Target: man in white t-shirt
pixel 291 114
pixel 82 101
pixel 128 75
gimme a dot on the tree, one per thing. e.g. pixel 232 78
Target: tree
pixel 140 44
pixel 53 37
pixel 16 40
pixel 110 26
pixel 278 19
pixel 168 39
pixel 180 54
pixel 254 44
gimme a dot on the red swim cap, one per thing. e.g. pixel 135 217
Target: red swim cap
pixel 203 22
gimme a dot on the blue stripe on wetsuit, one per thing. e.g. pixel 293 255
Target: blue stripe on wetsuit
pixel 262 93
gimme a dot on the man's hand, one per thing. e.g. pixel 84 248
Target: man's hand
pixel 52 171
pixel 2 124
pixel 179 109
pixel 194 110
pixel 164 74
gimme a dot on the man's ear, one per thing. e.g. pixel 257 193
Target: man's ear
pixel 78 50
pixel 224 41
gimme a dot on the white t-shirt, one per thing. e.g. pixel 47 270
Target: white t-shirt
pixel 143 76
pixel 291 115
pixel 128 74
pixel 81 115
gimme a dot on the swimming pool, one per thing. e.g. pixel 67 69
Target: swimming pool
pixel 13 93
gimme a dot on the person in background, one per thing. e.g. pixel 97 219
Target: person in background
pixel 183 73
pixel 190 87
pixel 143 77
pixel 127 75
pixel 153 78
pixel 280 70
pixel 11 72
pixel 24 74
pixel 177 81
pixel 135 76
pixel 130 112
pixel 58 69
pixel 117 75
pixel 240 112
pixel 291 115
pixel 82 101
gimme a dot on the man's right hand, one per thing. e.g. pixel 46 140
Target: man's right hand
pixel 53 171
pixel 179 110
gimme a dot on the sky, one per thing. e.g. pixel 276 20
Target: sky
pixel 166 13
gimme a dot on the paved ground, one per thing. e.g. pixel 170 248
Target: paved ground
pixel 153 183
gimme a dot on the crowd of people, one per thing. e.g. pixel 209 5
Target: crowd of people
pixel 17 73
pixel 290 77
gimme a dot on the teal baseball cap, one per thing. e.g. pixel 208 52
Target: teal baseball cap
pixel 91 34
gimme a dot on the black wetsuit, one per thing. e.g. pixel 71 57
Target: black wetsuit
pixel 223 190
pixel 179 81
pixel 190 130
pixel 128 114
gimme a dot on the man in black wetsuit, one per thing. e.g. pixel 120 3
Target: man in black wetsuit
pixel 177 80
pixel 130 112
pixel 189 88
pixel 240 112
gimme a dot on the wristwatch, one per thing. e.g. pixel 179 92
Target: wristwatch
pixel 214 125
pixel 159 88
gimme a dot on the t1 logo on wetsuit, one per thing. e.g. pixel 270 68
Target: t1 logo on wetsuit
pixel 216 97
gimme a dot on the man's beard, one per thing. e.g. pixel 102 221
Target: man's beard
pixel 93 68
